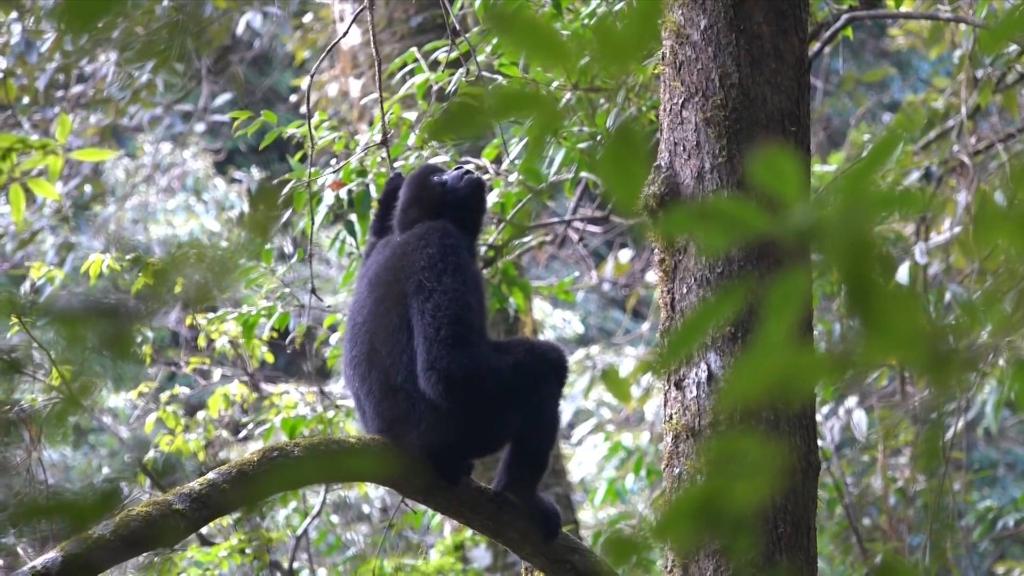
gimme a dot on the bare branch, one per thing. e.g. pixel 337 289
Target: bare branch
pixel 1000 139
pixel 448 13
pixel 384 536
pixel 304 529
pixel 380 88
pixel 165 520
pixel 849 18
pixel 312 147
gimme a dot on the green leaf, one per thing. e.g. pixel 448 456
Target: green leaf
pixel 54 166
pixel 1009 28
pixel 621 548
pixel 62 128
pixel 698 325
pixel 16 199
pixel 616 384
pixel 269 138
pixel 43 189
pixel 717 224
pixel 269 116
pixel 463 118
pixel 82 16
pixel 622 39
pixel 10 91
pixel 877 75
pixel 780 171
pixel 92 154
pixel 624 164
pixel 150 422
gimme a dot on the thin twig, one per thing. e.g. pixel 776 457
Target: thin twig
pixel 946 451
pixel 64 380
pixel 347 161
pixel 574 205
pixel 512 214
pixel 304 529
pixel 383 537
pixel 851 519
pixel 445 6
pixel 312 148
pixel 451 40
pixel 568 220
pixel 849 18
pixel 380 88
pixel 1003 138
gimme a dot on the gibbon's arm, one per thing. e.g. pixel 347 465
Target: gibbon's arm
pixel 381 226
pixel 446 309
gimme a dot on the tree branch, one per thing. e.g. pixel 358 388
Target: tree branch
pixel 849 18
pixel 164 521
pixel 375 50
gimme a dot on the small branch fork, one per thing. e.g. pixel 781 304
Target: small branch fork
pixel 165 520
pixel 304 528
pixel 849 18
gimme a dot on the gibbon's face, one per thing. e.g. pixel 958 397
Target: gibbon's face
pixel 458 195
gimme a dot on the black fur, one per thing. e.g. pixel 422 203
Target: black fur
pixel 417 356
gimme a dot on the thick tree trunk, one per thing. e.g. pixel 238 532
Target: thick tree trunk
pixel 734 74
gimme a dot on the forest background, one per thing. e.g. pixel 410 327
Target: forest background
pixel 175 267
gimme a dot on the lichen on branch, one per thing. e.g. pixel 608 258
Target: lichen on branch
pixel 165 520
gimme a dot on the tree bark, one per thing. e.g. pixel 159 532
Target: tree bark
pixel 166 520
pixel 734 74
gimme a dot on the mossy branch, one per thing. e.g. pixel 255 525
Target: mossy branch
pixel 165 520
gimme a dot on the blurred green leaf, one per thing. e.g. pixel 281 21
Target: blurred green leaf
pixel 92 154
pixel 269 138
pixel 82 16
pixel 620 40
pixel 624 163
pixel 54 166
pixel 616 384
pixel 779 366
pixel 10 91
pixel 62 128
pixel 718 224
pixel 780 171
pixel 621 548
pixel 16 200
pixel 521 29
pixel 697 326
pixel 893 565
pixel 1009 28
pixel 464 118
pixel 43 189
pixel 740 473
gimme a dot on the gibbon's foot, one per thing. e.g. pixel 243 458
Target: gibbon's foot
pixel 543 511
pixel 452 472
